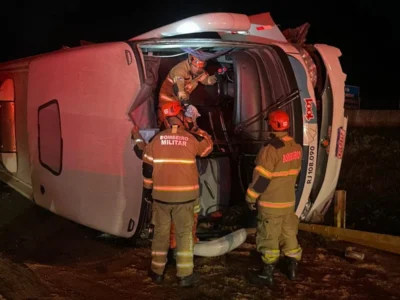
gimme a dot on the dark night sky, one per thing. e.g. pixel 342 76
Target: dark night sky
pixel 366 31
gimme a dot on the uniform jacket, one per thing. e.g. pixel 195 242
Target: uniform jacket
pixel 170 164
pixel 277 166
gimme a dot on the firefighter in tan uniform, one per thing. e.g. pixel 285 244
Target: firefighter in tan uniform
pixel 277 166
pixel 170 171
pixel 191 114
pixel 181 81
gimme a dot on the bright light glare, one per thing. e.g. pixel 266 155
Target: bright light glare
pixel 187 27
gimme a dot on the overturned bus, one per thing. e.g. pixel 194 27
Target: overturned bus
pixel 66 118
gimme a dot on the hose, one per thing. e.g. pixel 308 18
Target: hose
pixel 222 245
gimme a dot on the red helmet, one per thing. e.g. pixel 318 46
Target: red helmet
pixel 196 62
pixel 278 120
pixel 171 109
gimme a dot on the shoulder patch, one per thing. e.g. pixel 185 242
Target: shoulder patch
pixel 276 143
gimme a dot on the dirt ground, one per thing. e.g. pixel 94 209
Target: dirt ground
pixel 43 256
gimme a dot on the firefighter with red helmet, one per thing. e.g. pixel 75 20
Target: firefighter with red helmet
pixel 191 114
pixel 170 173
pixel 182 80
pixel 273 191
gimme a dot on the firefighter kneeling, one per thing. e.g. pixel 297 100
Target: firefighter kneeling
pixel 170 171
pixel 181 81
pixel 277 166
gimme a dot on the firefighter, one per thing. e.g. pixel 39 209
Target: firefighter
pixel 273 189
pixel 191 114
pixel 182 80
pixel 170 172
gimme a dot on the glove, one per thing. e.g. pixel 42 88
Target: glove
pixel 202 76
pixel 212 79
pixel 252 206
pixel 192 112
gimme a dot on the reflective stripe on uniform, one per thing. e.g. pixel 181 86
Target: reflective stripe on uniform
pixel 158 262
pixel 154 253
pixel 182 266
pixel 147 183
pixel 176 188
pixel 295 253
pixel 264 172
pixel 148 158
pixel 276 204
pixel 184 257
pixel 270 256
pixel 270 175
pixel 252 194
pixel 184 253
pixel 174 161
pixel 205 151
pixel 286 173
pixel 147 180
pixel 286 138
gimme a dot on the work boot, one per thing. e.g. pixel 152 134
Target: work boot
pixel 266 276
pixel 155 277
pixel 191 280
pixel 291 265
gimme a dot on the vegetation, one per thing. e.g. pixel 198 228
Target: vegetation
pixel 371 174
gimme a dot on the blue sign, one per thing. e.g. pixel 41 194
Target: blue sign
pixel 352 91
pixel 352 97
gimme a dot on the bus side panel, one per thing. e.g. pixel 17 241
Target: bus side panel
pixel 83 166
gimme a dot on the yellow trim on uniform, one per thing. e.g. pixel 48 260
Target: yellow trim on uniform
pixel 167 188
pixel 293 172
pixel 271 175
pixel 148 157
pixel 270 256
pixel 174 161
pixel 276 204
pixel 252 194
pixel 264 172
pixel 286 138
pixel 295 253
pixel 184 253
pixel 196 209
pixel 147 180
pixel 205 151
